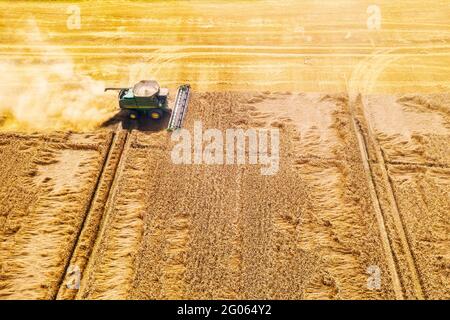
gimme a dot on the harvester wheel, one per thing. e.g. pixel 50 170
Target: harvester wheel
pixel 133 115
pixel 156 114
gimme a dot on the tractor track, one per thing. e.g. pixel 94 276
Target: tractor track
pixel 364 143
pixel 393 267
pixel 106 212
pixel 89 206
pixel 96 213
pixel 396 215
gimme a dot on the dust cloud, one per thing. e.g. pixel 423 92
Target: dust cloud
pixel 44 92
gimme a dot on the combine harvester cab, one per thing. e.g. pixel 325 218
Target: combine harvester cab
pixel 147 99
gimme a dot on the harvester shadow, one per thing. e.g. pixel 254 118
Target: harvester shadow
pixel 141 124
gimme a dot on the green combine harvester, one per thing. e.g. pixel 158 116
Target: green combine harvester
pixel 147 100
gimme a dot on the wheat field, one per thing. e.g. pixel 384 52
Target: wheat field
pixel 93 209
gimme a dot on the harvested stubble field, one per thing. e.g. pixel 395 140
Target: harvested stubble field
pixel 154 229
pixel 363 183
